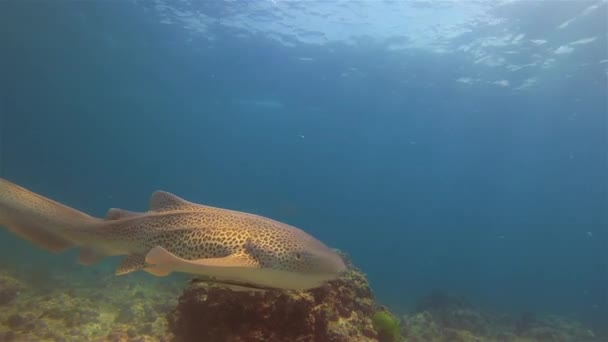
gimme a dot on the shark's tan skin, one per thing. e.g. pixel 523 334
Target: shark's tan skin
pixel 176 235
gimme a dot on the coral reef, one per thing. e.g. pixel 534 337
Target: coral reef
pixel 121 309
pixel 339 311
pixel 452 313
pixel 439 317
pixel 9 290
pixel 74 304
pixel 551 328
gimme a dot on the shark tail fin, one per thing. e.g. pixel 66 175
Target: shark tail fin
pixel 45 223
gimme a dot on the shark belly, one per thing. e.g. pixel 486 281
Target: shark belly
pixel 265 277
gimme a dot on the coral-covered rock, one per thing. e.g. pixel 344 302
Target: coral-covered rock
pixel 452 312
pixel 441 317
pixel 422 327
pixel 339 311
pixel 9 289
pixel 552 328
pixel 123 309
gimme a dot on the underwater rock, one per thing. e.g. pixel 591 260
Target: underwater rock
pixel 452 312
pixel 9 290
pixel 16 321
pixel 134 312
pixel 421 327
pixel 338 311
pixel 115 336
pixel 84 310
pixel 552 329
pixel 8 336
pixel 441 317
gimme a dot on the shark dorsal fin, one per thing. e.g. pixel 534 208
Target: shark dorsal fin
pixel 165 201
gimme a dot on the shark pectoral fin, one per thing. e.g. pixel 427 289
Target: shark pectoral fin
pixel 159 271
pixel 87 256
pixel 131 263
pixel 159 256
pixel 234 260
pixel 117 214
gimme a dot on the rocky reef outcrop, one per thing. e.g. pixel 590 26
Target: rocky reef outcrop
pixel 63 306
pixel 440 317
pixel 10 289
pixel 340 311
pixel 124 309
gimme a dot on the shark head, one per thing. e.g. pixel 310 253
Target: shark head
pixel 299 253
pixel 297 256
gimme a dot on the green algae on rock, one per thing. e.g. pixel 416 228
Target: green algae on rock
pixel 387 326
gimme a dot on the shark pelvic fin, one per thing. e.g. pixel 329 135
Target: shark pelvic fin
pixel 158 271
pixel 131 263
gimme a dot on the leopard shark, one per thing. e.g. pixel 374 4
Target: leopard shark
pixel 176 235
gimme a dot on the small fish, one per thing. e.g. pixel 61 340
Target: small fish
pixel 176 235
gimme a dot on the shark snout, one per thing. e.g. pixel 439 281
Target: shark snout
pixel 332 264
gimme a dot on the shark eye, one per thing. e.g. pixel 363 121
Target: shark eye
pixel 298 256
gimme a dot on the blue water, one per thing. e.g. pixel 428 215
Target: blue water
pixel 454 147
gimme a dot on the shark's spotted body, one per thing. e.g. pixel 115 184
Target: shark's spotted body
pixel 176 235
